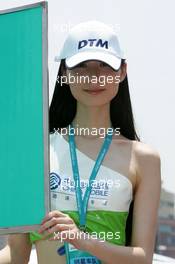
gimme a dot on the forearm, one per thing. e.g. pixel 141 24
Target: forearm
pixel 5 257
pixel 17 251
pixel 110 253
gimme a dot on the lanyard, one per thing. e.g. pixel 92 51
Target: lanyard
pixel 82 203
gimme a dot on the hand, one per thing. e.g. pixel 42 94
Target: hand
pixel 63 228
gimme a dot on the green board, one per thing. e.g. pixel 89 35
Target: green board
pixel 24 136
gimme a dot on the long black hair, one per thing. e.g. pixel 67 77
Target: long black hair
pixel 63 110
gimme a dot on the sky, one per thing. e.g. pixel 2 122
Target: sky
pixel 146 32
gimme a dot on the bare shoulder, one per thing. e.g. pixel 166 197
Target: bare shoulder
pixel 145 158
pixel 148 163
pixel 145 153
pixel 140 149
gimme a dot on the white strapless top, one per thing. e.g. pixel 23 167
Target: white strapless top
pixel 111 191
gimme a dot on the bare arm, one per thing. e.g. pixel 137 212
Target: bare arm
pixel 146 202
pixel 17 250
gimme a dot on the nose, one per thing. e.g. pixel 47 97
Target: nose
pixel 94 67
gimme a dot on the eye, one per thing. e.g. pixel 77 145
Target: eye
pixel 104 64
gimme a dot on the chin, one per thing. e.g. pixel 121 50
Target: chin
pixel 94 102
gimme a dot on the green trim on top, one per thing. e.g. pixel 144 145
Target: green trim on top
pixel 105 223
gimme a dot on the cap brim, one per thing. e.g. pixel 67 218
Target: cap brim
pixel 110 59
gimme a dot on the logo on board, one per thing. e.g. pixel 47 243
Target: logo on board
pixel 55 180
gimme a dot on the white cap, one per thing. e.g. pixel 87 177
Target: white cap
pixel 91 40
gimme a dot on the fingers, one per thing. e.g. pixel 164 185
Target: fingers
pixel 56 236
pixel 59 224
pixel 61 236
pixel 53 214
pixel 54 221
pixel 60 228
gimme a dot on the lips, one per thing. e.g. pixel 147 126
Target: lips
pixel 94 91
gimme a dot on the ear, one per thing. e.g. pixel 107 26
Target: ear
pixel 123 71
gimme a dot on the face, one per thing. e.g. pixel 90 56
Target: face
pixel 94 83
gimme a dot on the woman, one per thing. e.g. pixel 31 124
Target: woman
pixel 92 49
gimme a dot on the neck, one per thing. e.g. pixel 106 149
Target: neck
pixel 92 118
